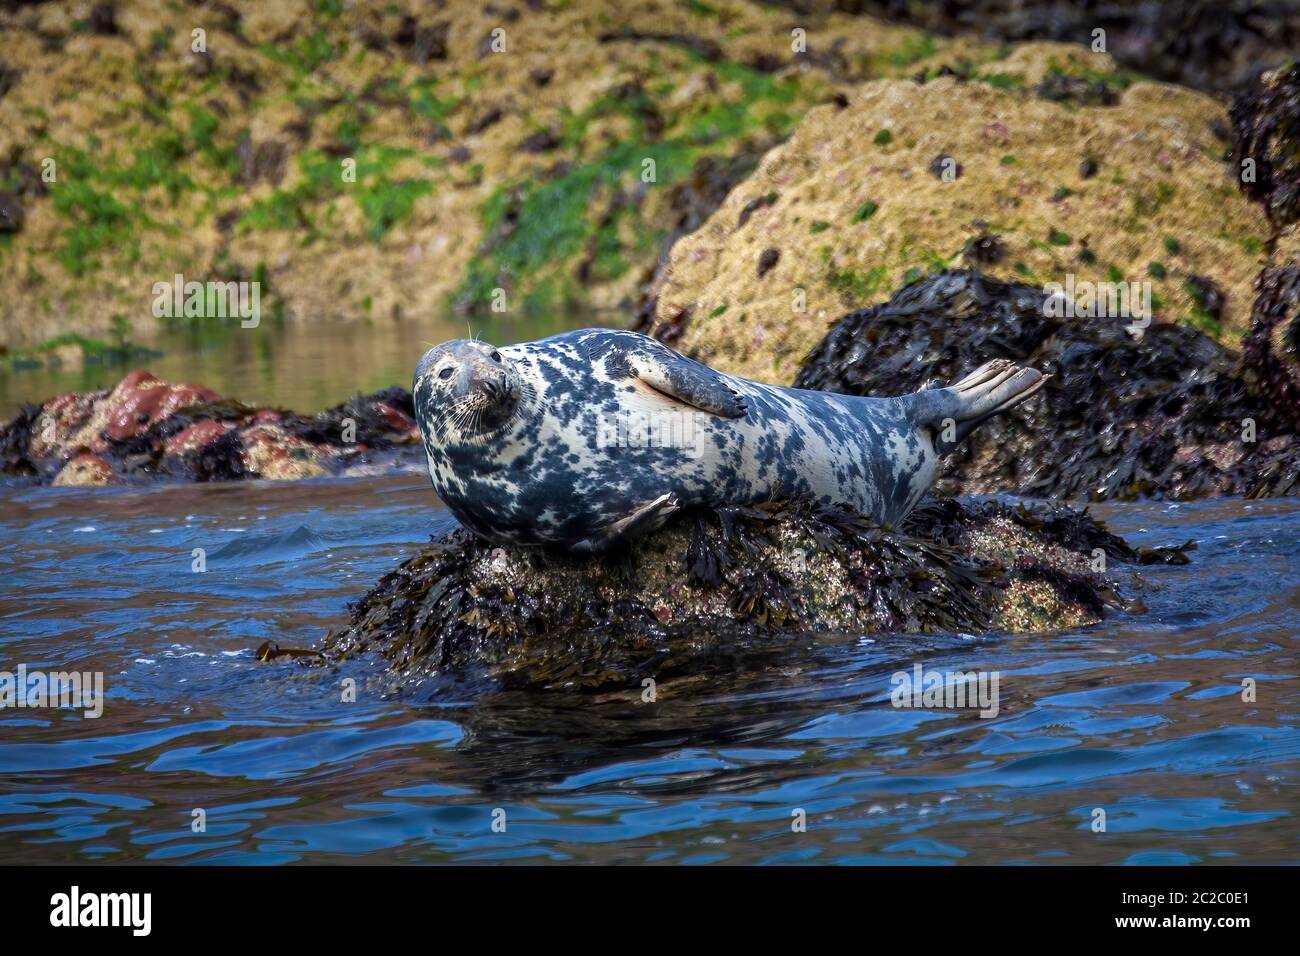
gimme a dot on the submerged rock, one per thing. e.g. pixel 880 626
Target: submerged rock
pixel 145 428
pixel 466 608
pixel 1169 415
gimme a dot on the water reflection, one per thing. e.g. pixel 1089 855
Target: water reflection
pixel 304 366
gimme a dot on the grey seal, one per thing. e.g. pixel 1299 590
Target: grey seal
pixel 588 437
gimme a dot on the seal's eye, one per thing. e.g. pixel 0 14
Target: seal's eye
pixel 445 373
pixel 496 356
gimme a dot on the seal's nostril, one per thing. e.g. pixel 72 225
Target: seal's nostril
pixel 491 389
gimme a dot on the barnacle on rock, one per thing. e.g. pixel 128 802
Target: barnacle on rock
pixel 473 170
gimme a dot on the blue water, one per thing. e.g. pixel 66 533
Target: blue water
pixel 1141 717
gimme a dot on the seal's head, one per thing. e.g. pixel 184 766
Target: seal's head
pixel 464 391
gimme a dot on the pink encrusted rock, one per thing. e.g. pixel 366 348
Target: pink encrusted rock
pixel 141 399
pixel 399 422
pixel 196 436
pixel 93 420
pixel 146 428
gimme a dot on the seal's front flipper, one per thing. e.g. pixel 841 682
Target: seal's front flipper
pixel 687 381
pixel 956 411
pixel 649 518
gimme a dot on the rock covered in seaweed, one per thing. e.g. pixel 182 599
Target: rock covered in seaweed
pixel 1267 124
pixel 146 428
pixel 526 616
pixel 910 178
pixel 1122 418
pixel 1266 120
pixel 1272 349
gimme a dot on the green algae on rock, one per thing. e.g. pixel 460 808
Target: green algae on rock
pixel 1169 415
pixel 708 579
pixel 376 160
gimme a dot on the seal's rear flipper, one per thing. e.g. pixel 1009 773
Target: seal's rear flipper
pixel 956 411
pixel 649 518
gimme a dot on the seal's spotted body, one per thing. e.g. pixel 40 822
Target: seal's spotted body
pixel 543 443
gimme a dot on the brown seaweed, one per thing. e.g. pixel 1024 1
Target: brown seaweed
pixel 1169 415
pixel 716 580
pixel 1266 120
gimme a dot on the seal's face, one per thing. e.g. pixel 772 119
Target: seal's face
pixel 464 391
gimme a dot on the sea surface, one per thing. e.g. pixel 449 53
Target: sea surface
pixel 800 760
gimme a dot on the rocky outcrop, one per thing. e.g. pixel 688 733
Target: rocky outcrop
pixel 710 582
pixel 1272 349
pixel 1208 44
pixel 1044 165
pixel 372 161
pixel 1266 120
pixel 1169 414
pixel 144 428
